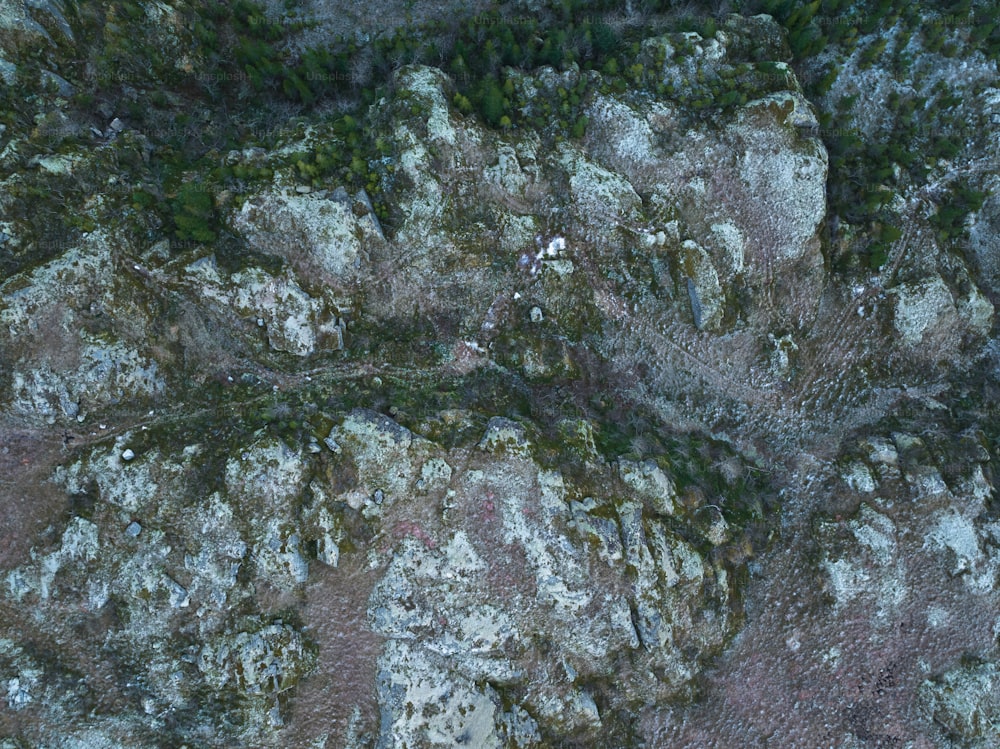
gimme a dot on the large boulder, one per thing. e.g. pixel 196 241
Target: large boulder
pixel 73 333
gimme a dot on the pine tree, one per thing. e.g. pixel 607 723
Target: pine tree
pixel 492 105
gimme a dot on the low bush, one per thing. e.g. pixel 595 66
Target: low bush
pixel 193 213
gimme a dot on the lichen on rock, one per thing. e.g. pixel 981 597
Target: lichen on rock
pixel 612 383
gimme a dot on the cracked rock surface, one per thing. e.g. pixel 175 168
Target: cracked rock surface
pixel 532 441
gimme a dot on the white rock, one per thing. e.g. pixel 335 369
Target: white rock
pixel 505 435
pixel 787 177
pixel 633 140
pixel 290 314
pixel 650 482
pixel 562 267
pixel 302 229
pixel 977 312
pixel 704 288
pixel 598 194
pixel 920 307
pixel 128 454
pixel 859 478
pixel 731 239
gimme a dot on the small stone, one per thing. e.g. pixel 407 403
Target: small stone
pixel 562 267
pixel 331 443
pixel 303 189
pixel 117 125
pixel 128 454
pixel 718 533
pixel 179 598
pixel 536 314
pixel 505 435
pixel 260 322
pixel 133 529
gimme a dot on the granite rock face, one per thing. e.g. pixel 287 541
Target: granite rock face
pixel 965 702
pixel 534 440
pixel 505 606
pixel 68 350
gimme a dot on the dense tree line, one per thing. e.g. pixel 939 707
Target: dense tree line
pixel 245 67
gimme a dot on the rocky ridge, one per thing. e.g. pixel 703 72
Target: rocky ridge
pixel 541 417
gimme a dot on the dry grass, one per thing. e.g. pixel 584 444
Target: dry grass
pixel 335 612
pixel 28 502
pixel 804 675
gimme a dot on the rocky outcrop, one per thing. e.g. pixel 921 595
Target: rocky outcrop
pixel 753 190
pixel 504 603
pixel 73 333
pixel 295 322
pixel 317 233
pixel 966 702
pixel 488 452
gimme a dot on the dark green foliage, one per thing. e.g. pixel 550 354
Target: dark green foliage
pixel 248 66
pixel 485 45
pixel 877 252
pixel 193 213
pixel 463 104
pixel 296 88
pixel 728 99
pixel 825 83
pixel 945 147
pixel 142 200
pixel 949 221
pixel 606 41
pixel 806 42
pixel 804 36
pixel 985 32
pixel 490 100
pixel 890 233
pixel 872 52
pixel 933 34
pixel 846 103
